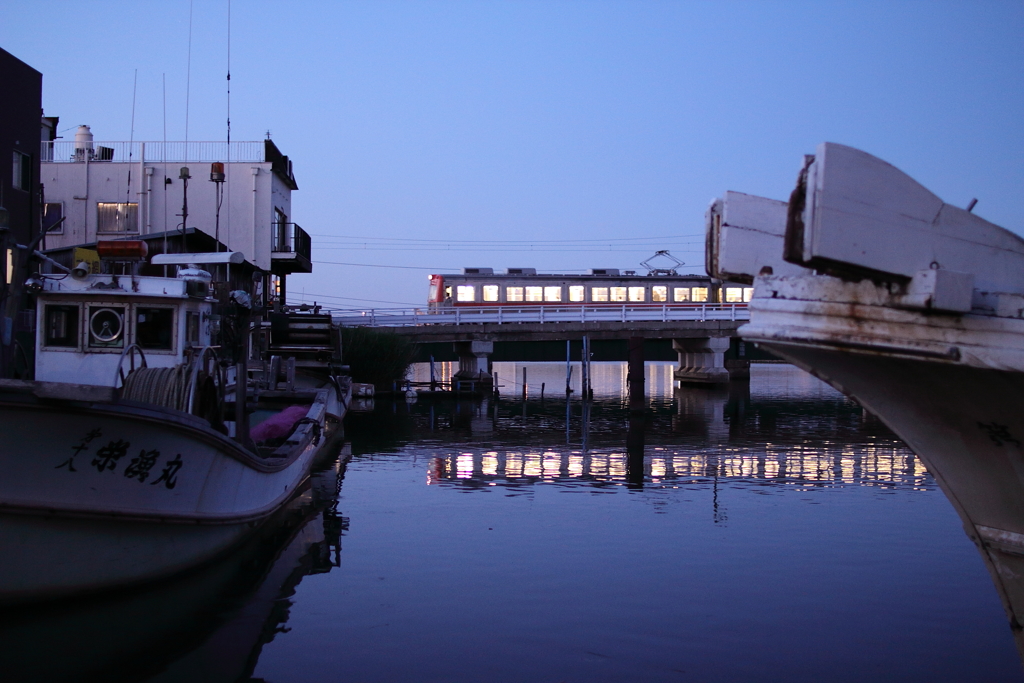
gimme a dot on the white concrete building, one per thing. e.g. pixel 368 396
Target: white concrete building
pixel 112 190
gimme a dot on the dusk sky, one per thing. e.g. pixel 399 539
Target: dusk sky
pixel 557 135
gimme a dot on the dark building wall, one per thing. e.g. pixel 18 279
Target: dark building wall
pixel 21 95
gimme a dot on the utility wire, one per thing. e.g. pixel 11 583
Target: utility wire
pixel 377 265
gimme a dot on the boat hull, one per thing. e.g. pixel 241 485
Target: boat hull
pixel 96 495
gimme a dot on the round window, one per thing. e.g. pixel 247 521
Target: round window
pixel 106 325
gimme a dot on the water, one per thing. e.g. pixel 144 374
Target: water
pixel 775 533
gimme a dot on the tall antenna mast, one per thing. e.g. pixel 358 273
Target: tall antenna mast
pixel 188 74
pixel 131 142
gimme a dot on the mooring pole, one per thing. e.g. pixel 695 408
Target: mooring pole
pixel 433 383
pixel 568 370
pixel 635 375
pixel 524 384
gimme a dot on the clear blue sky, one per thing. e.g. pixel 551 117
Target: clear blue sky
pixel 532 121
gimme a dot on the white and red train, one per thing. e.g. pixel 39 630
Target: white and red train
pixel 477 287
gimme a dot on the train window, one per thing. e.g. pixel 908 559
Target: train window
pixel 465 293
pixel 700 294
pixel 637 293
pixel 552 294
pixel 681 294
pixel 575 292
pixel 733 295
pixel 599 294
pixel 62 326
pixel 154 328
pixel 618 293
pixel 748 293
pixel 513 294
pixel 659 293
pixel 534 293
pixel 448 292
pixel 490 292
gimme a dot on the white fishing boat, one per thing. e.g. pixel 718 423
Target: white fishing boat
pixel 119 465
pixel 911 306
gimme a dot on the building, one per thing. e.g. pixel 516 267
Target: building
pixel 178 197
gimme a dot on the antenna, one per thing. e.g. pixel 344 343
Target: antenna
pixel 131 142
pixel 188 73
pixel 229 80
pixel 163 80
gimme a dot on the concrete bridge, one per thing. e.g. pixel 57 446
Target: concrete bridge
pixel 703 335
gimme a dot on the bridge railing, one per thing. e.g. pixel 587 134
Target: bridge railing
pixel 406 317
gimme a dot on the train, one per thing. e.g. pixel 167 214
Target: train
pixel 478 287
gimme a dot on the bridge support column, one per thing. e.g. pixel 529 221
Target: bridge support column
pixel 702 361
pixel 474 361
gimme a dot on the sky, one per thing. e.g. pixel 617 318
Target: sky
pixel 429 136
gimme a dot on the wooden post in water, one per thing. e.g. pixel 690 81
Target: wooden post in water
pixel 568 370
pixel 635 375
pixel 524 384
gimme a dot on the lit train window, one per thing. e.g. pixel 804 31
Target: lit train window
pixel 575 292
pixel 700 294
pixel 465 293
pixel 534 293
pixel 748 293
pixel 513 294
pixel 682 294
pixel 659 293
pixel 490 292
pixel 637 293
pixel 618 293
pixel 733 295
pixel 599 294
pixel 552 294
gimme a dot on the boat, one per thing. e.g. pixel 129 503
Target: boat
pixel 129 456
pixel 912 307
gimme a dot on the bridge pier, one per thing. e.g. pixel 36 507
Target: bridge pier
pixel 474 361
pixel 702 361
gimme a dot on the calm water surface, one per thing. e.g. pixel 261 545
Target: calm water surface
pixel 769 533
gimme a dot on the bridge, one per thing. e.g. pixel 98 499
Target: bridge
pixel 703 335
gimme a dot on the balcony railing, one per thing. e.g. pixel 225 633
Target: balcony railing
pixel 69 151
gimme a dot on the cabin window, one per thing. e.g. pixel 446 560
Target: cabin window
pixel 733 295
pixel 575 292
pixel 106 327
pixel 748 293
pixel 513 294
pixel 659 293
pixel 117 217
pixel 154 328
pixel 21 177
pixel 637 293
pixel 552 294
pixel 699 294
pixel 490 292
pixel 465 293
pixel 618 293
pixel 192 328
pixel 534 293
pixel 599 294
pixel 681 294
pixel 61 326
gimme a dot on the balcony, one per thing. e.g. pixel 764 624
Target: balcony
pixel 292 250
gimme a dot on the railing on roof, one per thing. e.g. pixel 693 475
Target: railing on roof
pixel 406 317
pixel 69 151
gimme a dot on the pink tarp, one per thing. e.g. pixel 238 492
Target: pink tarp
pixel 278 426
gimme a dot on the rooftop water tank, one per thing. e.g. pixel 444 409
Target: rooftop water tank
pixel 83 143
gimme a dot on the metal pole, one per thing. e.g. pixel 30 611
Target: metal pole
pixel 568 370
pixel 524 383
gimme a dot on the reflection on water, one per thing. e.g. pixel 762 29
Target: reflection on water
pixel 207 625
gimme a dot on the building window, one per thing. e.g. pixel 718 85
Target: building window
pixel 599 294
pixel 154 328
pixel 552 294
pixel 618 293
pixel 699 294
pixel 21 176
pixel 733 295
pixel 513 294
pixel 465 293
pixel 490 292
pixel 636 293
pixel 52 213
pixel 659 293
pixel 117 217
pixel 576 293
pixel 61 326
pixel 681 294
pixel 534 293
